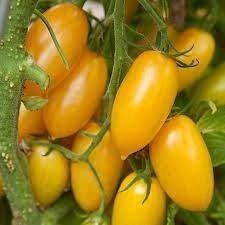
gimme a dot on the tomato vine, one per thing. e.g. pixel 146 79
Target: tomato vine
pixel 109 35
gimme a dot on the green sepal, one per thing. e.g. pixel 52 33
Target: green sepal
pixel 33 103
pixel 172 211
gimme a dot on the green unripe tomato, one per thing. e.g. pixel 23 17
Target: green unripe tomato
pixel 212 88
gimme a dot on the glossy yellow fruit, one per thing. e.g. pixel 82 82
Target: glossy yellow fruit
pixel 72 104
pixel 129 208
pixel 30 122
pixel 204 46
pixel 107 163
pixel 130 8
pixel 182 164
pixel 48 174
pixel 143 101
pixel 71 27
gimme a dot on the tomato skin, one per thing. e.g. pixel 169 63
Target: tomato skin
pixel 77 98
pixel 203 50
pixel 49 175
pixel 212 87
pixel 143 101
pixel 130 8
pixel 182 164
pixel 128 208
pixel 107 163
pixel 40 46
pixel 30 122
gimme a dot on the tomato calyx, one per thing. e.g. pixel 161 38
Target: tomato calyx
pixel 34 102
pixel 144 173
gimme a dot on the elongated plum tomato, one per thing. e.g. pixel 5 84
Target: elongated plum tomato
pixel 129 207
pixel 48 174
pixel 130 8
pixel 212 87
pixel 71 30
pixel 107 163
pixel 203 48
pixel 143 101
pixel 77 97
pixel 30 122
pixel 182 164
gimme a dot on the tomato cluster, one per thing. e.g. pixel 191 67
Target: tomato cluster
pixel 140 117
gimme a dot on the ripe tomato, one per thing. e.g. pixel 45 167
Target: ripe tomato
pixel 129 207
pixel 143 101
pixel 71 30
pixel 48 174
pixel 107 163
pixel 212 87
pixel 75 100
pixel 204 46
pixel 130 8
pixel 182 164
pixel 30 122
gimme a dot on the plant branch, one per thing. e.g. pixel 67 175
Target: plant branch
pixel 18 19
pixel 57 211
pixel 57 45
pixel 36 74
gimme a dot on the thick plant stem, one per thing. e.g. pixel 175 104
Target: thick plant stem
pixel 14 177
pixel 12 58
pixel 17 22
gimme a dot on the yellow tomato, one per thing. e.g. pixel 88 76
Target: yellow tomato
pixel 70 26
pixel 30 122
pixel 48 174
pixel 129 208
pixel 204 46
pixel 107 163
pixel 182 164
pixel 143 101
pixel 130 8
pixel 72 104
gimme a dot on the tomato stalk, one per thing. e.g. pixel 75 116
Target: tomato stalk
pixel 59 210
pixel 47 24
pixel 15 67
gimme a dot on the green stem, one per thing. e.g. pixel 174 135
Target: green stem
pixel 15 181
pixel 119 57
pixel 12 58
pixel 57 45
pixel 102 191
pixel 18 20
pixel 57 211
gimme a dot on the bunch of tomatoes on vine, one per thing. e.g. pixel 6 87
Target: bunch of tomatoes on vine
pixel 131 124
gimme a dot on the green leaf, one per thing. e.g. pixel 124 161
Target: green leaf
pixel 216 145
pixel 190 218
pixel 212 126
pixel 212 122
pixel 217 208
pixel 34 102
pixel 171 213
